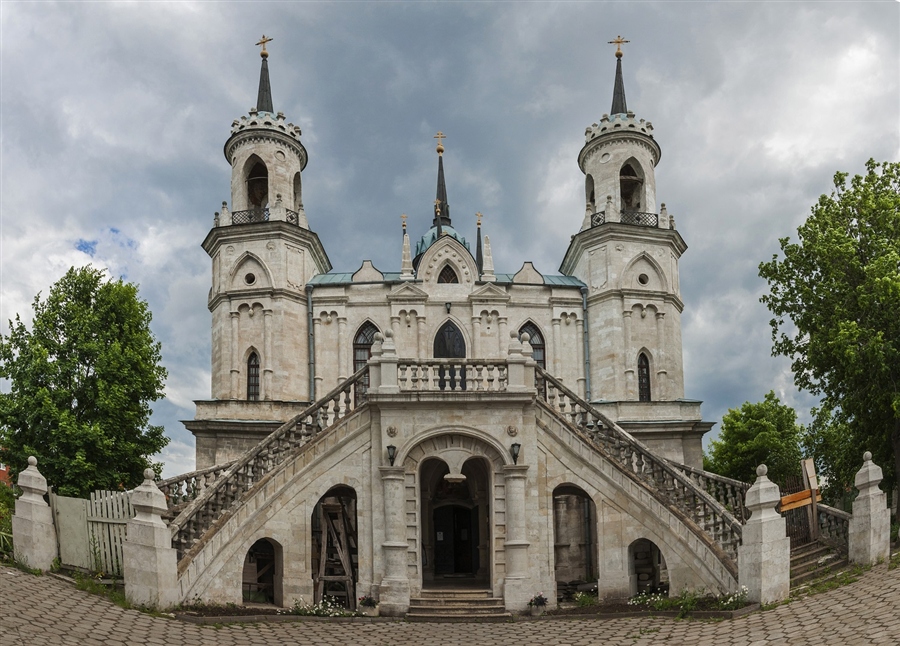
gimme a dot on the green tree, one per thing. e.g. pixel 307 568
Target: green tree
pixel 835 297
pixel 763 433
pixel 82 380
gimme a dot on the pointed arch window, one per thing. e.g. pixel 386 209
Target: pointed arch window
pixel 253 377
pixel 448 275
pixel 258 186
pixel 536 339
pixel 643 378
pixel 362 350
pixel 449 344
pixel 630 188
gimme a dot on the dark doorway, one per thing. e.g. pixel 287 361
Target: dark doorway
pixel 455 540
pixel 335 558
pixel 258 581
pixel 449 344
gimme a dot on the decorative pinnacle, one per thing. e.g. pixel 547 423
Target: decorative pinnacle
pixel 440 147
pixel 263 41
pixel 618 42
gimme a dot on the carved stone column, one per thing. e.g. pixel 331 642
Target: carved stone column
pixel 235 386
pixel 502 335
pixel 269 361
pixel 344 351
pixel 420 338
pixel 626 356
pixel 476 338
pixel 317 333
pixel 557 350
pixel 579 353
pixel 394 591
pixel 34 537
pixel 395 328
pixel 516 590
pixel 662 383
pixel 149 560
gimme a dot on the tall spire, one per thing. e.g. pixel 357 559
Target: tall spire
pixel 618 104
pixel 479 259
pixel 264 98
pixel 442 207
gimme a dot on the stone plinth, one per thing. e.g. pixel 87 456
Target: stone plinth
pixel 764 557
pixel 870 525
pixel 150 561
pixel 34 537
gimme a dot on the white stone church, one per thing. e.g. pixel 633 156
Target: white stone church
pixel 444 431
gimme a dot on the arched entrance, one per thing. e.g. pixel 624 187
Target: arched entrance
pixel 648 568
pixel 574 540
pixel 334 547
pixel 455 523
pixel 261 576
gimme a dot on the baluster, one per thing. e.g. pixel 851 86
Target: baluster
pixel 491 370
pixel 413 377
pixel 639 464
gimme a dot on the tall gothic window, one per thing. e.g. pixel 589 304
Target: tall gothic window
pixel 536 339
pixel 643 378
pixel 449 344
pixel 253 377
pixel 630 184
pixel 447 275
pixel 362 350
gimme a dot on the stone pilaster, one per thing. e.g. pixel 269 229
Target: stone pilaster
pixel 150 561
pixel 870 525
pixel 764 557
pixel 394 589
pixel 515 362
pixel 516 591
pixel 34 537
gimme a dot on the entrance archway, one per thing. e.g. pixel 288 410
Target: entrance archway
pixel 455 523
pixel 334 547
pixel 261 575
pixel 574 539
pixel 647 566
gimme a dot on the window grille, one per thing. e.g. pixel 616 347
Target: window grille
pixel 536 339
pixel 447 275
pixel 643 378
pixel 253 377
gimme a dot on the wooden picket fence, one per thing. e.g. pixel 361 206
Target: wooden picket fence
pixel 91 533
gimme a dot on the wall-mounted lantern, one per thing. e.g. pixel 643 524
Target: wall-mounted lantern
pixel 392 453
pixel 514 449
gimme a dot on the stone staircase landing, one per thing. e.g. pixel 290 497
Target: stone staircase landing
pixel 462 605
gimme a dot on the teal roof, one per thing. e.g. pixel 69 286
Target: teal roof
pixel 346 278
pixel 431 237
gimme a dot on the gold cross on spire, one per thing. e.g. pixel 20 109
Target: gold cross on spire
pixel 263 41
pixel 437 208
pixel 440 147
pixel 618 42
pixel 478 217
pixel 403 220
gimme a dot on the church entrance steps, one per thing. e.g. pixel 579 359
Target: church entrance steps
pixel 815 561
pixel 457 605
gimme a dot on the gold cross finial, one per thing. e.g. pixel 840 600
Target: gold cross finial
pixel 440 147
pixel 403 220
pixel 263 41
pixel 478 216
pixel 618 42
pixel 437 208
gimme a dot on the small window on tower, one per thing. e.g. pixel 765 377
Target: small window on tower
pixel 447 275
pixel 253 377
pixel 643 378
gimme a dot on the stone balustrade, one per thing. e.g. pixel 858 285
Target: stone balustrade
pixel 188 486
pixel 453 375
pixel 834 526
pixel 729 493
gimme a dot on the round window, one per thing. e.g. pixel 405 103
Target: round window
pixel 249 279
pixel 643 279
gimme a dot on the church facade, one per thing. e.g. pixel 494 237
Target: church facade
pixel 446 424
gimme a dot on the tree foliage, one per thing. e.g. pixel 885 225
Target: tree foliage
pixel 763 433
pixel 835 297
pixel 82 380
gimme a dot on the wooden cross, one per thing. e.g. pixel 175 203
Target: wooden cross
pixel 263 41
pixel 618 42
pixel 440 147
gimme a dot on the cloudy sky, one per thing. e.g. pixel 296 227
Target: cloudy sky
pixel 113 119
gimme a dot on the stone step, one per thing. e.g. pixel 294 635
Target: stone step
pixel 453 611
pixel 813 561
pixel 456 602
pixel 824 573
pixel 459 593
pixel 459 618
pixel 803 551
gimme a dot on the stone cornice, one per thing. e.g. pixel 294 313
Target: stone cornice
pixel 615 231
pixel 265 231
pixel 258 134
pixel 609 138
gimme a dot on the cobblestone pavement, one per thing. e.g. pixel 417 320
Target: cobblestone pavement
pixel 39 610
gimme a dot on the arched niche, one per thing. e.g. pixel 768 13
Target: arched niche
pixel 574 539
pixel 263 571
pixel 333 546
pixel 647 568
pixel 631 186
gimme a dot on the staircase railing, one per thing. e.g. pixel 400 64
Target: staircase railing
pixel 671 485
pixel 729 493
pixel 188 486
pixel 190 525
pixel 453 375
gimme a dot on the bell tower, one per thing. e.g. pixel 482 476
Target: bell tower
pixel 627 255
pixel 263 255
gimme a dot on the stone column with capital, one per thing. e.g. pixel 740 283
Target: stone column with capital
pixel 235 385
pixel 764 557
pixel 394 590
pixel 515 362
pixel 150 562
pixel 870 525
pixel 34 537
pixel 516 590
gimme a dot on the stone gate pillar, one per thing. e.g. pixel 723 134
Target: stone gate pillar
pixel 870 525
pixel 34 537
pixel 394 590
pixel 764 557
pixel 150 561
pixel 516 592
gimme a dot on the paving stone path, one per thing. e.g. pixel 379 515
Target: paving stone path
pixel 43 610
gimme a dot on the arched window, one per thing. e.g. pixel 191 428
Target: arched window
pixel 447 275
pixel 449 344
pixel 536 339
pixel 590 201
pixel 630 184
pixel 643 378
pixel 253 377
pixel 362 345
pixel 258 186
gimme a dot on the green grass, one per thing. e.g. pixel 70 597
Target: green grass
pixel 894 562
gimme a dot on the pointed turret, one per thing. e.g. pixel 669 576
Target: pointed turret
pixel 264 98
pixel 479 258
pixel 442 207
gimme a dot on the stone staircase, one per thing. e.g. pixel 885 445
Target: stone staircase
pixel 464 605
pixel 813 561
